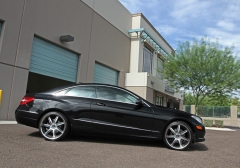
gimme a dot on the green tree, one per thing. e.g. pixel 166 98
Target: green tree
pixel 189 99
pixel 235 101
pixel 204 68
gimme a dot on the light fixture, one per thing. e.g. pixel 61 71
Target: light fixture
pixel 66 38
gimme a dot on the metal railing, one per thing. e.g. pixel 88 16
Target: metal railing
pixel 214 111
pixel 187 108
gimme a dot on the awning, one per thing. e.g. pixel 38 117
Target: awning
pixel 145 36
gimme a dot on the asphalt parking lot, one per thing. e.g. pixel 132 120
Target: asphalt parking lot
pixel 22 146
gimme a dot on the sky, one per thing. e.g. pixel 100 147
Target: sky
pixel 183 20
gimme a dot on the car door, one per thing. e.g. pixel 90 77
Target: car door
pixel 115 110
pixel 79 100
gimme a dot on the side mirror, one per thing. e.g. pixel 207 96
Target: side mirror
pixel 139 102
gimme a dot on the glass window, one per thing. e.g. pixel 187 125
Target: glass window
pixel 159 68
pixel 115 94
pixel 147 60
pixel 82 91
pixel 159 100
pixel 61 93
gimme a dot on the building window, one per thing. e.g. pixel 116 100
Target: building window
pixel 159 100
pixel 147 60
pixel 160 68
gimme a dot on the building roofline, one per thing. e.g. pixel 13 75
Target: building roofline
pixel 150 24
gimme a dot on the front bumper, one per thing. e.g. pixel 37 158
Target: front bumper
pixel 199 135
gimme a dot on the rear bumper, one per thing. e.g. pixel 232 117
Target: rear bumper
pixel 21 118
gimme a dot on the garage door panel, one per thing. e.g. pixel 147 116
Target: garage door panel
pixel 103 74
pixel 56 75
pixel 51 47
pixel 52 68
pixel 51 54
pixel 48 60
pixel 51 60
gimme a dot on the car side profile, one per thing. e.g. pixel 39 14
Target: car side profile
pixel 106 109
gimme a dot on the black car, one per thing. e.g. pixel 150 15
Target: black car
pixel 107 109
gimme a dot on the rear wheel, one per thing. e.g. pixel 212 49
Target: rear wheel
pixel 178 135
pixel 53 126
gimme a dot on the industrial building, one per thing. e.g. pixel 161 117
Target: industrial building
pixel 50 43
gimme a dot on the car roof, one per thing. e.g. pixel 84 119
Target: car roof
pixel 79 84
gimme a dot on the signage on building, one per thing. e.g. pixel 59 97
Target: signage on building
pixel 169 90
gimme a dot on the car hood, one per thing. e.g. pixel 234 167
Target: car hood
pixel 171 110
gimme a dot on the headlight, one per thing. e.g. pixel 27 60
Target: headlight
pixel 197 118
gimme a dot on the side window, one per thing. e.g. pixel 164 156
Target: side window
pixel 61 93
pixel 115 94
pixel 82 91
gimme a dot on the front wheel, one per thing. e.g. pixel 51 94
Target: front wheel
pixel 178 135
pixel 53 126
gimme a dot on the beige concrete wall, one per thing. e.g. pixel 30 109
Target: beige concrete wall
pixel 140 91
pixel 150 95
pixel 109 47
pixel 90 3
pixel 147 80
pixel 226 121
pixel 11 13
pixel 52 19
pixel 6 77
pixel 232 121
pixel 114 12
pixel 95 39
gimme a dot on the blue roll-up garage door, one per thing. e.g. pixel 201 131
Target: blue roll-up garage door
pixel 51 60
pixel 103 74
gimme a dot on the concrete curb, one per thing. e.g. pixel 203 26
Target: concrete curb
pixel 219 129
pixel 8 122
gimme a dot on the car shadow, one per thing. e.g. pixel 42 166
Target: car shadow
pixel 197 147
pixel 118 140
pixel 122 141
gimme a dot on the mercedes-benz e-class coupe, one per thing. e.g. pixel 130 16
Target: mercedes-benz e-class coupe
pixel 106 109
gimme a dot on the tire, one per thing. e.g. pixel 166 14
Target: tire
pixel 54 126
pixel 178 135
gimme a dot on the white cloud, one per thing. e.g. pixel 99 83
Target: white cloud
pixel 226 25
pixel 185 10
pixel 232 10
pixel 225 38
pixel 166 29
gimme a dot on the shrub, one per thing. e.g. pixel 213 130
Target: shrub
pixel 219 123
pixel 208 123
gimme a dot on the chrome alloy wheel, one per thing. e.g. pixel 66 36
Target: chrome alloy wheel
pixel 178 135
pixel 53 126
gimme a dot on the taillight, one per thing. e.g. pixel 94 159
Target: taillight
pixel 26 100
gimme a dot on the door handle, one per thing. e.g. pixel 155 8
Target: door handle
pixel 101 104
